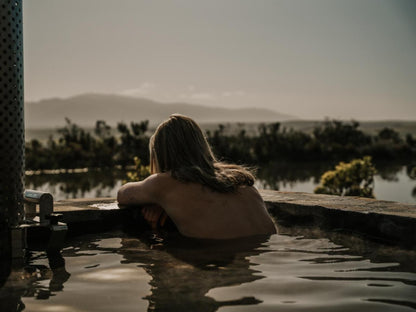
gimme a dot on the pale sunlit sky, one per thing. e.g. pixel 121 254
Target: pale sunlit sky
pixel 308 58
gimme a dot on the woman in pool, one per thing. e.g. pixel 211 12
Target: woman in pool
pixel 205 198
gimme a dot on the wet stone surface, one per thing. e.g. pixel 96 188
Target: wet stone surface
pixel 390 221
pixel 345 203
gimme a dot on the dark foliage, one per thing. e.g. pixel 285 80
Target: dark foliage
pixel 331 141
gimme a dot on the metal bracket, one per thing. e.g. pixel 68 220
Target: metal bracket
pixel 45 202
pixel 18 241
pixel 33 224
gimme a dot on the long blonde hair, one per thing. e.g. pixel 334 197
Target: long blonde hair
pixel 179 146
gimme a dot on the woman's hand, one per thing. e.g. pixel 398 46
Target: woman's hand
pixel 154 215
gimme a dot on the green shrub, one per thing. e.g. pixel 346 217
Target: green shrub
pixel 140 171
pixel 355 178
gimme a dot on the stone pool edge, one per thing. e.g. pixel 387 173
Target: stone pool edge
pixel 389 221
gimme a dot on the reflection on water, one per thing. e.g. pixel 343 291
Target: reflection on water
pixel 102 183
pixel 393 181
pixel 38 280
pixel 183 272
pixel 299 269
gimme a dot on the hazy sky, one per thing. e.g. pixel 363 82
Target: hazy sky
pixel 309 58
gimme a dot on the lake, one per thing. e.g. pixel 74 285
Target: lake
pixel 392 182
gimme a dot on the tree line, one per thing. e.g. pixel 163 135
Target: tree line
pixel 105 147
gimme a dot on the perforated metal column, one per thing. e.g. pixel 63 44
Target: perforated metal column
pixel 11 114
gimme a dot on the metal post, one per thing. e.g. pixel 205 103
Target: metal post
pixel 11 121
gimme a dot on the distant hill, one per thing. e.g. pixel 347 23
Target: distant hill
pixel 86 109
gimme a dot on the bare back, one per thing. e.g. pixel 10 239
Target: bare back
pixel 200 212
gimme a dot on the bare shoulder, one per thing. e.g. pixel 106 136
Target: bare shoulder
pixel 158 179
pixel 149 191
pixel 250 191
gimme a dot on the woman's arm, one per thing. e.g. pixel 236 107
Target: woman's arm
pixel 149 194
pixel 144 192
pixel 154 215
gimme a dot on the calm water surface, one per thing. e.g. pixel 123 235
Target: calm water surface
pixel 392 182
pixel 399 187
pixel 299 269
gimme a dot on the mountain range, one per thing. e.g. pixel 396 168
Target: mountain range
pixel 86 109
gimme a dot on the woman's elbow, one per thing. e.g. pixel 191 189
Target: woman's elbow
pixel 122 197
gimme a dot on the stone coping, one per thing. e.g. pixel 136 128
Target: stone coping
pixel 342 203
pixel 389 221
pixel 378 219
